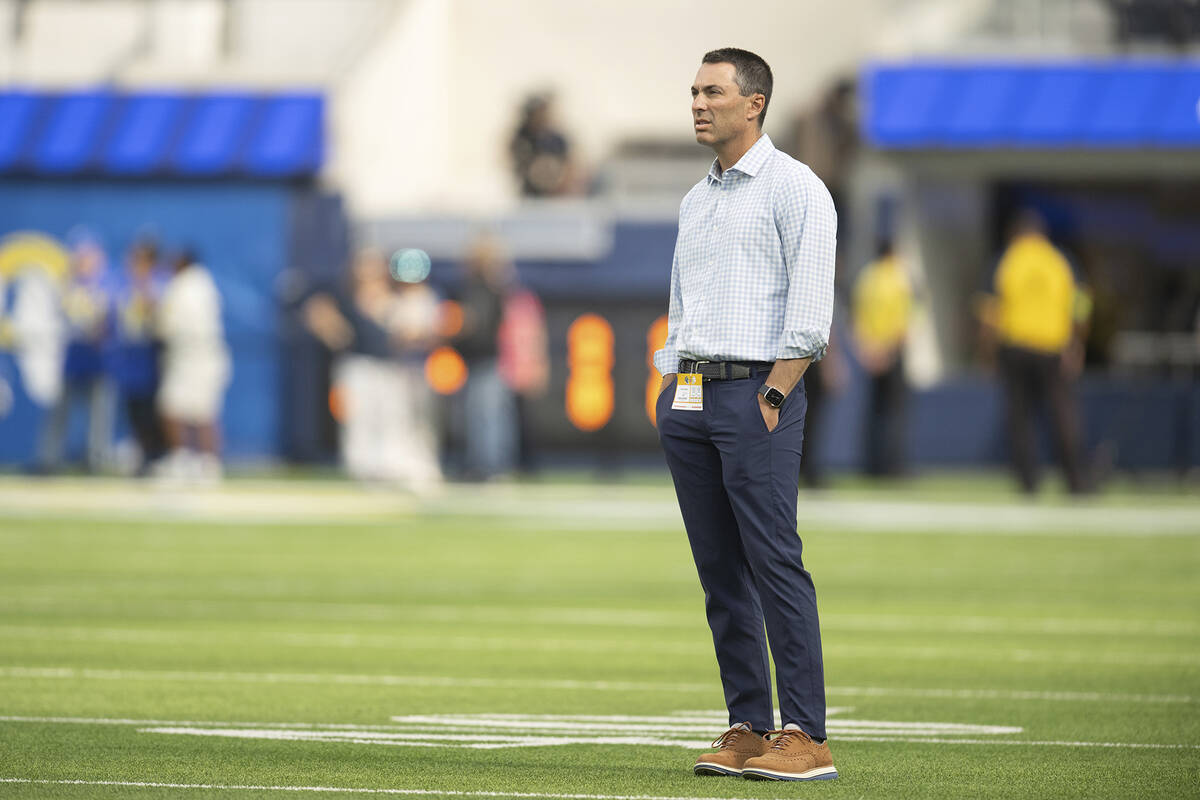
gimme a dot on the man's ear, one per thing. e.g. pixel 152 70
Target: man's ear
pixel 757 102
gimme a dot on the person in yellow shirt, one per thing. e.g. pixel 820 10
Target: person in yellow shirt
pixel 882 309
pixel 1035 318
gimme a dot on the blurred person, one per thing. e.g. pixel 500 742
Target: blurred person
pixel 1035 320
pixel 540 151
pixel 826 139
pixel 87 307
pixel 751 304
pixel 380 336
pixel 414 326
pixel 882 311
pixel 524 365
pixel 491 434
pixel 135 357
pixel 196 371
pixel 823 380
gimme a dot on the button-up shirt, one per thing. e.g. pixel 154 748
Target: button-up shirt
pixel 752 278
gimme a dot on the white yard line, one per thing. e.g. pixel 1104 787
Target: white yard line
pixel 593 617
pixel 696 648
pixel 708 720
pixel 351 641
pixel 1022 655
pixel 430 738
pixel 75 673
pixel 1027 743
pixel 667 725
pixel 331 611
pixel 480 742
pixel 193 723
pixel 997 624
pixel 582 508
pixel 429 681
pixel 516 730
pixel 531 728
pixel 1008 694
pixel 344 789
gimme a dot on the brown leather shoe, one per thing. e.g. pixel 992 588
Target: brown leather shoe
pixel 734 746
pixel 791 756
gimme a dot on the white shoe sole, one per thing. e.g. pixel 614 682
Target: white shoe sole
pixel 707 768
pixel 818 774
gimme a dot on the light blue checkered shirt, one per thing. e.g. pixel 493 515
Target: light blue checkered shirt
pixel 752 278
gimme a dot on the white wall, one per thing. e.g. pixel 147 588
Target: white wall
pixel 390 116
pixel 70 43
pixel 620 68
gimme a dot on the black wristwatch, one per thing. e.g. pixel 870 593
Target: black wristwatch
pixel 773 396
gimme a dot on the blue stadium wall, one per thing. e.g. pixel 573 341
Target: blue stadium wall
pixel 227 174
pixel 241 232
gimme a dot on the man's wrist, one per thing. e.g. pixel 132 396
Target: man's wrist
pixel 771 395
pixel 787 373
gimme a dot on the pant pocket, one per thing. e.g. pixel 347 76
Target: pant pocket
pixel 760 424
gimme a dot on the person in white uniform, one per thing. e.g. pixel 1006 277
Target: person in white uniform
pixel 196 369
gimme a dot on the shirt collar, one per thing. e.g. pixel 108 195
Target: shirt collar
pixel 750 162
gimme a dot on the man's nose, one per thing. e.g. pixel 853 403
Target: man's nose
pixel 698 103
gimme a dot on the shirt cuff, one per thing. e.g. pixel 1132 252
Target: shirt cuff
pixel 802 344
pixel 666 361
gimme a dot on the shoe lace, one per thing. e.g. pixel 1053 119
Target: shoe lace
pixel 729 738
pixel 782 738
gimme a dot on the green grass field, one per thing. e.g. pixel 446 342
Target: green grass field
pixel 293 638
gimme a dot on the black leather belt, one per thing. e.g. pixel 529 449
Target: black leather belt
pixel 725 370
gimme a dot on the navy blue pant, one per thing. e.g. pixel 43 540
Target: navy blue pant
pixel 737 485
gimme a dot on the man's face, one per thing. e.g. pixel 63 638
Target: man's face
pixel 719 111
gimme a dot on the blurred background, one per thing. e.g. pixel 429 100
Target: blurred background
pixel 430 239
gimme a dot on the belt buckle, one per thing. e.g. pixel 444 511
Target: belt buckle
pixel 696 369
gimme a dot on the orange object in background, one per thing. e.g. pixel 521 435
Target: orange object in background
pixel 445 370
pixel 590 359
pixel 656 337
pixel 590 343
pixel 337 403
pixel 450 319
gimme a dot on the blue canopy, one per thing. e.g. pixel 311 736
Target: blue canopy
pixel 1148 104
pixel 160 134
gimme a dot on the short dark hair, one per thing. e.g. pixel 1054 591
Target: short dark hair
pixel 752 74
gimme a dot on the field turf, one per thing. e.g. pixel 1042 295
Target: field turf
pixel 312 638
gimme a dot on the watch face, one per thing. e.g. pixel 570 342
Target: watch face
pixel 773 396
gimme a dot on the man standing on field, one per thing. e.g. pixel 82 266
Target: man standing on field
pixel 751 306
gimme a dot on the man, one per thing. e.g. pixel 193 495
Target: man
pixel 87 308
pixel 750 308
pixel 1038 314
pixel 491 422
pixel 882 308
pixel 135 356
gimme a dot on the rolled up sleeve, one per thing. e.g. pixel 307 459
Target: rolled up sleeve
pixel 807 224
